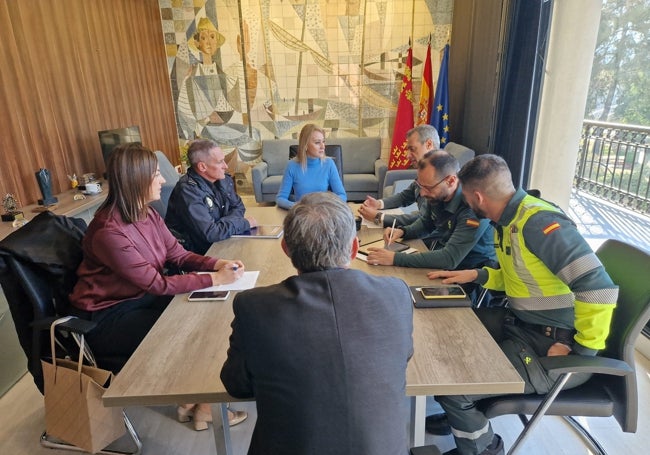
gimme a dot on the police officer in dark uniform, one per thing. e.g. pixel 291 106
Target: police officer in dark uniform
pixel 204 207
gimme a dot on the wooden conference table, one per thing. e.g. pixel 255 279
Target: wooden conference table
pixel 179 361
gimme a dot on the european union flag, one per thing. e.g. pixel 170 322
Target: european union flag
pixel 440 114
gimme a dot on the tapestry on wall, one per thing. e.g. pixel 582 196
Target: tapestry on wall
pixel 243 71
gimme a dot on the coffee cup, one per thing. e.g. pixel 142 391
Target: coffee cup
pixel 92 188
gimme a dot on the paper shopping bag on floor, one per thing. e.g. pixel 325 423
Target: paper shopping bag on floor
pixel 74 411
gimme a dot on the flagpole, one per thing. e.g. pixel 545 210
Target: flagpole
pixel 362 71
pixel 412 19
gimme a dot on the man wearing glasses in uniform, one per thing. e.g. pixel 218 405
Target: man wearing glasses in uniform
pixel 455 235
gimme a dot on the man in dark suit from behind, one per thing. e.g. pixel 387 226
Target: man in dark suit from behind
pixel 323 353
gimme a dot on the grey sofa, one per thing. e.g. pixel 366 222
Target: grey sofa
pixel 363 169
pixel 462 154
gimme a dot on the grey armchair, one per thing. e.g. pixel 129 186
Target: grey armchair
pixel 267 174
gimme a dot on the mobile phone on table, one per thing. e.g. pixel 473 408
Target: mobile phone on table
pixel 443 292
pixel 202 296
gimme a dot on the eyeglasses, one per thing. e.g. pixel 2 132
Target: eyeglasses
pixel 430 188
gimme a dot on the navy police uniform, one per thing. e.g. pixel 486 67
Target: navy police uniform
pixel 201 213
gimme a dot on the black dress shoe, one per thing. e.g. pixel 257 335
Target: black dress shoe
pixel 437 424
pixel 495 448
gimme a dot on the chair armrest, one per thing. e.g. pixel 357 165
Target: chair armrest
pixel 77 325
pixel 380 172
pixel 585 364
pixel 261 169
pixel 74 325
pixel 259 172
pixel 399 174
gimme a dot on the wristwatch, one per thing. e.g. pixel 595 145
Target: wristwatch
pixel 377 219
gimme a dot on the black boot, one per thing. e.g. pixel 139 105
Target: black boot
pixel 437 424
pixel 495 447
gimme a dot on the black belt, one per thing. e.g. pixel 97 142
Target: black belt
pixel 556 333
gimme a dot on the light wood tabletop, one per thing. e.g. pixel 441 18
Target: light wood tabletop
pixel 180 359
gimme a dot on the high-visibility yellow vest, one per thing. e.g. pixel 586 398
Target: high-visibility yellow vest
pixel 529 284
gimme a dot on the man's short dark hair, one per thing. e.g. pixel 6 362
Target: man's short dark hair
pixel 444 163
pixel 479 171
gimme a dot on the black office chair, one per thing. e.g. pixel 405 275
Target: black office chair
pixel 38 266
pixel 334 151
pixel 612 390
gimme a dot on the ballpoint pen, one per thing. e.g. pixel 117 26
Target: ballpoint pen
pixel 392 231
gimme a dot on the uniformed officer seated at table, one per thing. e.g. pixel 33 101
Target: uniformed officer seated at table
pixel 324 352
pixel 204 207
pixel 456 237
pixel 560 297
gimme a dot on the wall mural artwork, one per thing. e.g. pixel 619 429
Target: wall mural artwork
pixel 246 70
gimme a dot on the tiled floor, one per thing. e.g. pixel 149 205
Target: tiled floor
pixel 22 420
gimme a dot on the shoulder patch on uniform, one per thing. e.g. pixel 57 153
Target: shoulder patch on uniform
pixel 551 227
pixel 472 222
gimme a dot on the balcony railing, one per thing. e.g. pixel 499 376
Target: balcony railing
pixel 614 164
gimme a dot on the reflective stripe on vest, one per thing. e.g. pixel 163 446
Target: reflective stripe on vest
pixel 529 284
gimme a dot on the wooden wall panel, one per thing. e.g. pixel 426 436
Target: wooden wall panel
pixel 70 69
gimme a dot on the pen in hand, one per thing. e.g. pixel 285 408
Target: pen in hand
pixel 392 232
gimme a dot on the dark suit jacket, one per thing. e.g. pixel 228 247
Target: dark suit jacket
pixel 324 354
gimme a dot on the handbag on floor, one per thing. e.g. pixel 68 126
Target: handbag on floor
pixel 74 411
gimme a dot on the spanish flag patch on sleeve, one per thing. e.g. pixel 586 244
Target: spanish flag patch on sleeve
pixel 551 227
pixel 472 222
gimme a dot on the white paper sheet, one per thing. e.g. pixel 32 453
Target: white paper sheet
pixel 247 281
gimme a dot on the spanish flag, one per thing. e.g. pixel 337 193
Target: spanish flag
pixel 426 100
pixel 551 227
pixel 404 119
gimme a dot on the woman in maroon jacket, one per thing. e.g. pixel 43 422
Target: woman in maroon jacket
pixel 121 285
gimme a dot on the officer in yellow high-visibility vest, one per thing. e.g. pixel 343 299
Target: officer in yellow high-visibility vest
pixel 560 296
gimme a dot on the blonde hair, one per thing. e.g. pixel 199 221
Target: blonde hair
pixel 303 142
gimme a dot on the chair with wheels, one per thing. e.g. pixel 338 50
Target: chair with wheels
pixel 612 390
pixel 38 266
